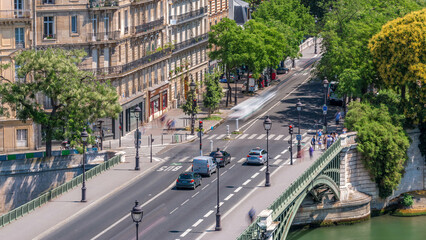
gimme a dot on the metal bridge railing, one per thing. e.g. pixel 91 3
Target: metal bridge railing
pixel 288 196
pixel 44 198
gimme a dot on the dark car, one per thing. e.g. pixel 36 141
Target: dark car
pixel 282 70
pixel 225 160
pixel 188 180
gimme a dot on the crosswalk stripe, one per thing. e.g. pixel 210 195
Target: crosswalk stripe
pixel 183 159
pixel 261 136
pixel 285 150
pixel 212 136
pixel 252 136
pixel 304 134
pixel 287 138
pixel 271 136
pixel 306 139
pixel 278 156
pixel 278 161
pixel 221 136
pixel 241 160
pixel 243 136
pixel 279 137
pixel 166 158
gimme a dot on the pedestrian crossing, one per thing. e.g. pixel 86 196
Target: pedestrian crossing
pixel 272 137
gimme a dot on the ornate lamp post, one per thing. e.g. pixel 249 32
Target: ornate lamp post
pixel 101 134
pixel 192 86
pixel 136 113
pixel 267 124
pixel 325 83
pixel 218 156
pixel 299 109
pixel 137 215
pixel 84 137
pixel 316 20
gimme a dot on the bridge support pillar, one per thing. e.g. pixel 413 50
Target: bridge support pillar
pixel 266 225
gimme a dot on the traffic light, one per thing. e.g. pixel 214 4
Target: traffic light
pixel 194 104
pixel 290 129
pixel 201 125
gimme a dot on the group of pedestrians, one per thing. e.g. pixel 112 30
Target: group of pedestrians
pixel 322 140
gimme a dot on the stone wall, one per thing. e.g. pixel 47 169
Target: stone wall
pixel 23 180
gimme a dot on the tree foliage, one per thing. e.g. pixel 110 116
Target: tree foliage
pixel 76 98
pixel 213 93
pixel 188 107
pixel 399 52
pixel 382 143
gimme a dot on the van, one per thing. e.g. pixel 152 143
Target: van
pixel 203 165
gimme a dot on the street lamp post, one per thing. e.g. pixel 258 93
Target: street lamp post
pixel 84 137
pixel 325 83
pixel 192 86
pixel 101 134
pixel 267 124
pixel 299 109
pixel 136 113
pixel 218 156
pixel 235 96
pixel 137 215
pixel 316 20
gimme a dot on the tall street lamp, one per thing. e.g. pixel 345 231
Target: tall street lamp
pixel 137 215
pixel 101 134
pixel 316 20
pixel 267 124
pixel 84 137
pixel 218 156
pixel 299 109
pixel 192 86
pixel 325 83
pixel 136 113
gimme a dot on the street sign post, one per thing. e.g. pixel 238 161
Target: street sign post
pixel 298 137
pixel 324 108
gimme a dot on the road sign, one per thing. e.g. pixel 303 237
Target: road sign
pixel 202 134
pixel 140 134
pixel 298 137
pixel 324 108
pixel 324 112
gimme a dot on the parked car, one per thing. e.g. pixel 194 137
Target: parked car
pixel 282 70
pixel 224 80
pixel 188 180
pixel 203 165
pixel 225 160
pixel 257 156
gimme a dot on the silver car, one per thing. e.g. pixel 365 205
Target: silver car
pixel 257 156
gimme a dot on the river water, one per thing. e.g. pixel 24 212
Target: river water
pixel 378 228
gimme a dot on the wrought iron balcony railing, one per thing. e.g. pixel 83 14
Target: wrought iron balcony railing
pixel 103 3
pixel 115 70
pixel 103 36
pixel 182 17
pixel 17 13
pixel 190 42
pixel 148 26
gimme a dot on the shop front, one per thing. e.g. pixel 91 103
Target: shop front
pixel 158 100
pixel 126 121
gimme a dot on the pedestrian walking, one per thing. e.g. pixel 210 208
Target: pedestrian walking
pixel 344 130
pixel 251 214
pixel 313 142
pixel 337 117
pixel 311 152
pixel 329 141
pixel 319 142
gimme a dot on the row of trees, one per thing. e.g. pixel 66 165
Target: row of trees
pixel 76 97
pixel 274 33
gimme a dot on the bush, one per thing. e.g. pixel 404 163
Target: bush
pixel 407 200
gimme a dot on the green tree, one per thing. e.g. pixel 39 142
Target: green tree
pixel 213 93
pixel 399 52
pixel 75 96
pixel 382 144
pixel 190 106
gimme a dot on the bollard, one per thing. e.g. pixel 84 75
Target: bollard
pixel 236 123
pixel 211 145
pixel 162 139
pixel 227 131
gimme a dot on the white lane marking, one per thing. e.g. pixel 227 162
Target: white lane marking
pixel 157 159
pixel 278 156
pixel 183 159
pixel 241 160
pixel 238 189
pixel 246 182
pixel 255 175
pixel 271 136
pixel 208 213
pixel 232 166
pixel 278 161
pixel 167 158
pixel 304 134
pixel 263 168
pixel 205 186
pixel 197 222
pixel 306 139
pixel 287 138
pixel 279 137
pixel 229 197
pixel 214 180
pixel 174 210
pixel 220 204
pixel 285 150
pixel 221 136
pixel 187 200
pixel 195 194
pixel 186 232
pixel 243 136
pixel 212 136
pixel 252 136
pixel 306 73
pixel 223 172
pixel 261 136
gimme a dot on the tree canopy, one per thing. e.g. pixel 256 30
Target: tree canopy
pixel 75 97
pixel 213 93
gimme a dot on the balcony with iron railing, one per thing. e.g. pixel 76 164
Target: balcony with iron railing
pixel 190 42
pixel 134 2
pixel 103 36
pixel 15 14
pixel 102 4
pixel 148 26
pixel 117 70
pixel 189 15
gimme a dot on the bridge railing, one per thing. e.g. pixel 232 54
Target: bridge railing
pixel 290 194
pixel 44 198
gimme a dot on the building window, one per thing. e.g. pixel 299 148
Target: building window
pixel 48 1
pixel 126 22
pixel 155 105
pixel 18 78
pixel 48 28
pixel 74 24
pixel 21 137
pixel 164 99
pixel 19 37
